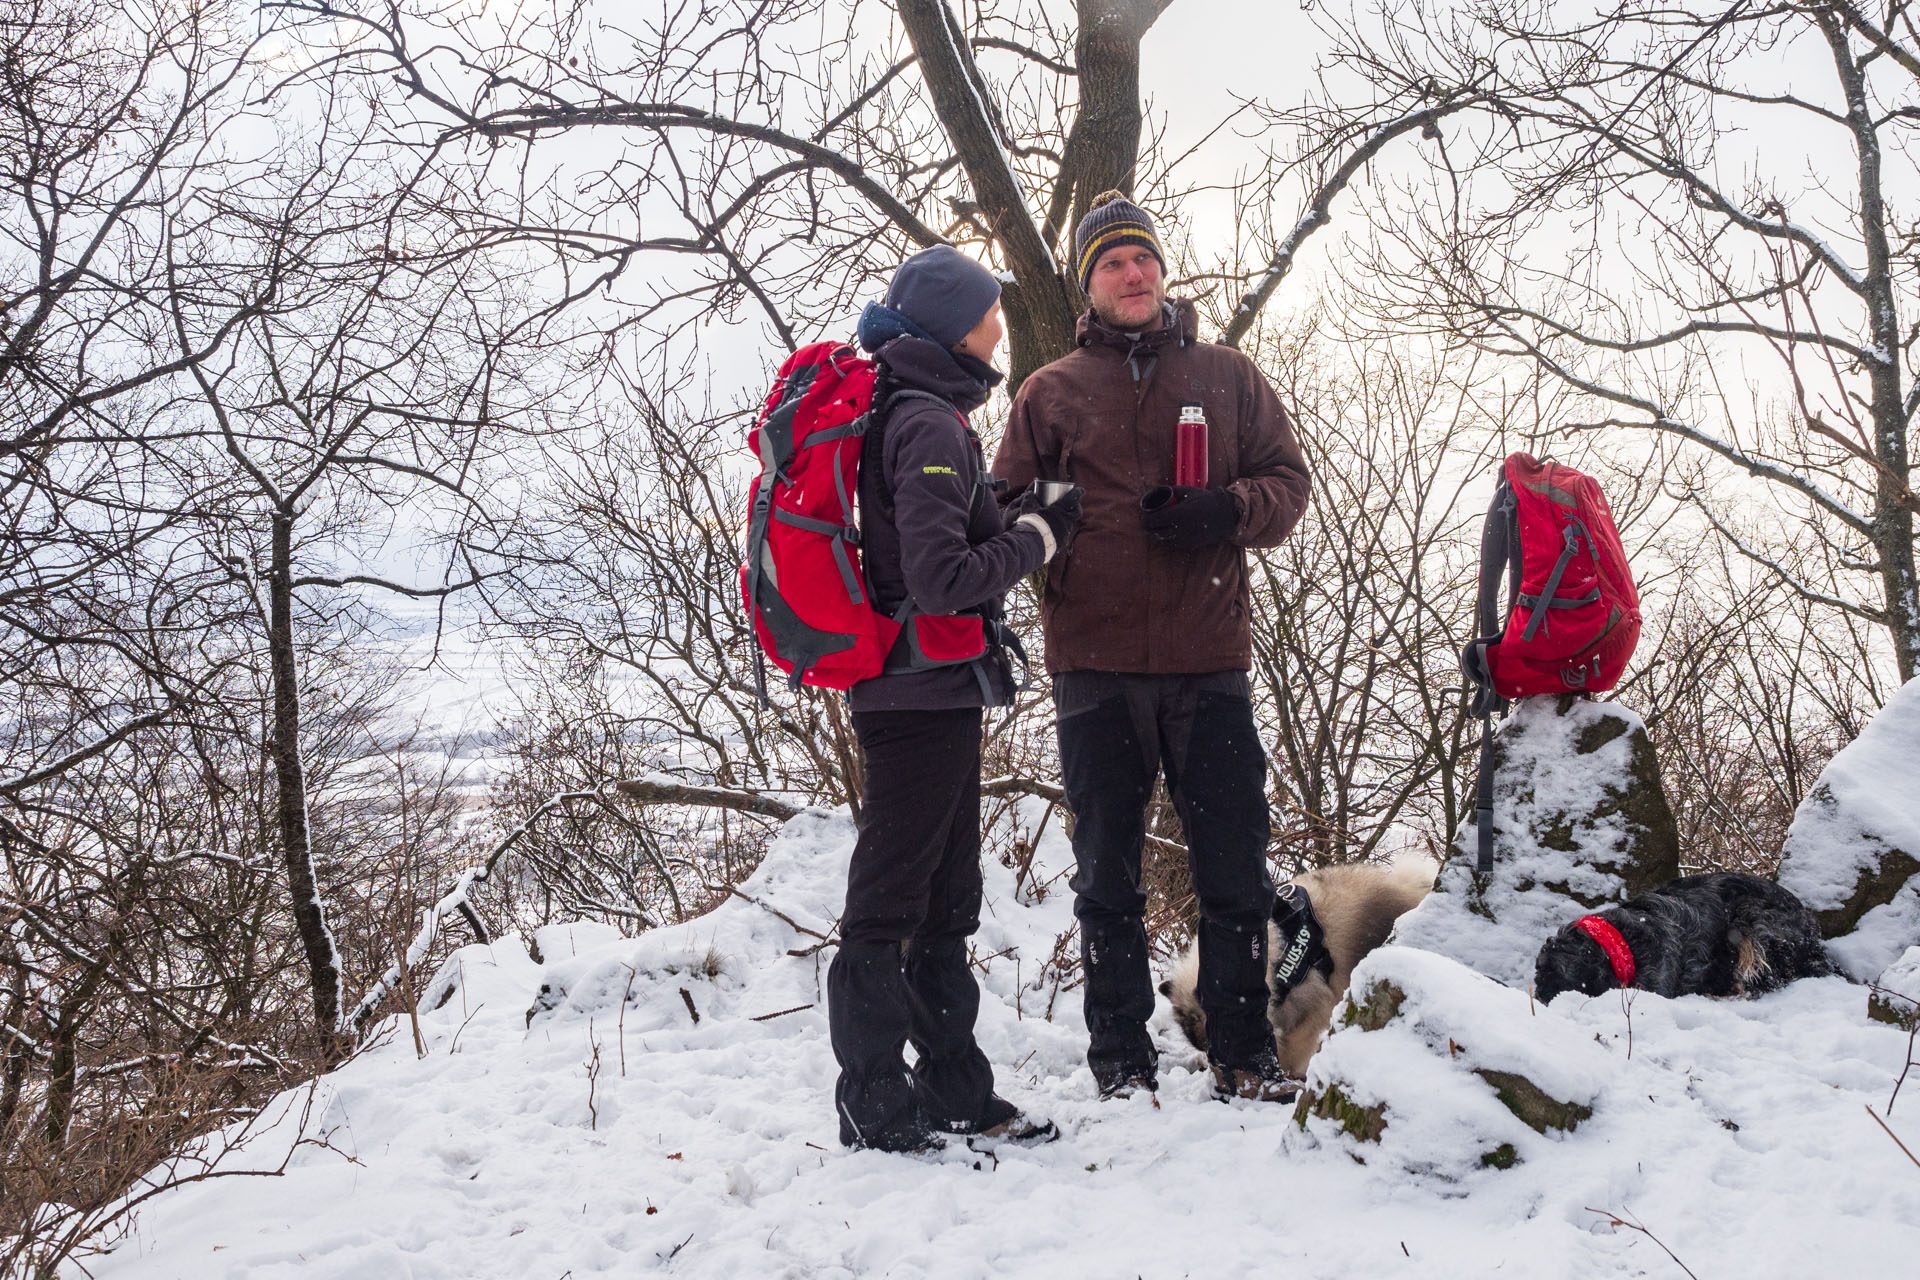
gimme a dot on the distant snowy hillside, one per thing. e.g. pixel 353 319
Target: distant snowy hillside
pixel 572 1119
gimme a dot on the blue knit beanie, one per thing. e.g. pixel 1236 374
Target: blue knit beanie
pixel 944 292
pixel 1112 221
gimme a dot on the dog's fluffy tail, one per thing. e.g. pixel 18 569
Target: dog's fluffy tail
pixel 1412 877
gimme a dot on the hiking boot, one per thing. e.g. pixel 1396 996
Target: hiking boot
pixel 1020 1129
pixel 1264 1081
pixel 926 1144
pixel 1004 1122
pixel 1126 1083
pixel 912 1142
pixel 910 1134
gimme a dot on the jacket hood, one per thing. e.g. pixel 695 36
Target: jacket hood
pixel 1181 327
pixel 881 324
pixel 961 380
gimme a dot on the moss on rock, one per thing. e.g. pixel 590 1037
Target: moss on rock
pixel 1363 1123
pixel 1539 1110
pixel 1891 1006
pixel 1379 1005
pixel 1878 885
pixel 1501 1157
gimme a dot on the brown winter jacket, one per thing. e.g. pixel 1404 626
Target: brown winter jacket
pixel 1103 417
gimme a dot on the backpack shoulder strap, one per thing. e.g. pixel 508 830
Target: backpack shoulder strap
pixel 873 451
pixel 1499 555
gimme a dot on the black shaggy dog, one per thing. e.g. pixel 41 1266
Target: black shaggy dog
pixel 1724 934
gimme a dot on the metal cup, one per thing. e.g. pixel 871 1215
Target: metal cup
pixel 1051 491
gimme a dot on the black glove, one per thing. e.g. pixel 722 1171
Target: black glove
pixel 1189 518
pixel 1024 503
pixel 1063 517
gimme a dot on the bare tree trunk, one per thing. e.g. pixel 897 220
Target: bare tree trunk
pixel 1104 148
pixel 62 1076
pixel 1893 530
pixel 1039 310
pixel 17 1056
pixel 290 800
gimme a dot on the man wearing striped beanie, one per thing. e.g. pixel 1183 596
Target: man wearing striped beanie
pixel 1146 617
pixel 1117 223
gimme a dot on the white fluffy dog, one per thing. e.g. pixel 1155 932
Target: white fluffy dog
pixel 1349 911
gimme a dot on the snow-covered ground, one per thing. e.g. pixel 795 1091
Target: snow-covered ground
pixel 609 1134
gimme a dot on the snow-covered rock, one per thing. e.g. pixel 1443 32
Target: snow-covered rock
pixel 1895 995
pixel 1443 1072
pixel 1853 851
pixel 1580 820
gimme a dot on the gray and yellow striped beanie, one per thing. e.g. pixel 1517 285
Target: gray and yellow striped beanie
pixel 1113 220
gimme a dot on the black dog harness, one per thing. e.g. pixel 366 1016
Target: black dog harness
pixel 1303 941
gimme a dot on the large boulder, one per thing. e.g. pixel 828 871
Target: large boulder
pixel 1853 851
pixel 1580 820
pixel 1436 1071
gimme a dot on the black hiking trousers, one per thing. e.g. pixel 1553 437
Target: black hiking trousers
pixel 913 899
pixel 1117 734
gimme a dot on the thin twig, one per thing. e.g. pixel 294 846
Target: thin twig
pixel 1910 1059
pixel 1891 1134
pixel 407 1000
pixel 797 926
pixel 1625 1219
pixel 625 1000
pixel 768 1017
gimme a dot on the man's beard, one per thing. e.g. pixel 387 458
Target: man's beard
pixel 1113 321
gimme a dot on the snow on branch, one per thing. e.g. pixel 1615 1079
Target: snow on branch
pixel 657 789
pixel 13 786
pixel 1786 575
pixel 33 1048
pixel 953 82
pixel 1320 209
pixel 1660 421
pixel 1706 195
pixel 960 49
pixel 458 899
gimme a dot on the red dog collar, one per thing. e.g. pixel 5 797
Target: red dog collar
pixel 1619 954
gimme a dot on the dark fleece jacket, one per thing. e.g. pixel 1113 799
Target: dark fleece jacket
pixel 929 526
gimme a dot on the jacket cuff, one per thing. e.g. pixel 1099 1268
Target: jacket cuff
pixel 1040 527
pixel 1242 508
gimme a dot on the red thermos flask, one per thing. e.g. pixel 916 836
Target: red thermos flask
pixel 1190 447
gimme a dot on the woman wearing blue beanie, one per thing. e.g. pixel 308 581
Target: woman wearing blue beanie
pixel 933 543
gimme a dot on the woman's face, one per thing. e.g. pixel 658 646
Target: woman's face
pixel 984 340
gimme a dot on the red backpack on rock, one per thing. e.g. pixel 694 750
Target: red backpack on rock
pixel 1572 614
pixel 803 584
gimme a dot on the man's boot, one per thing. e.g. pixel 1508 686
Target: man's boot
pixel 1261 1080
